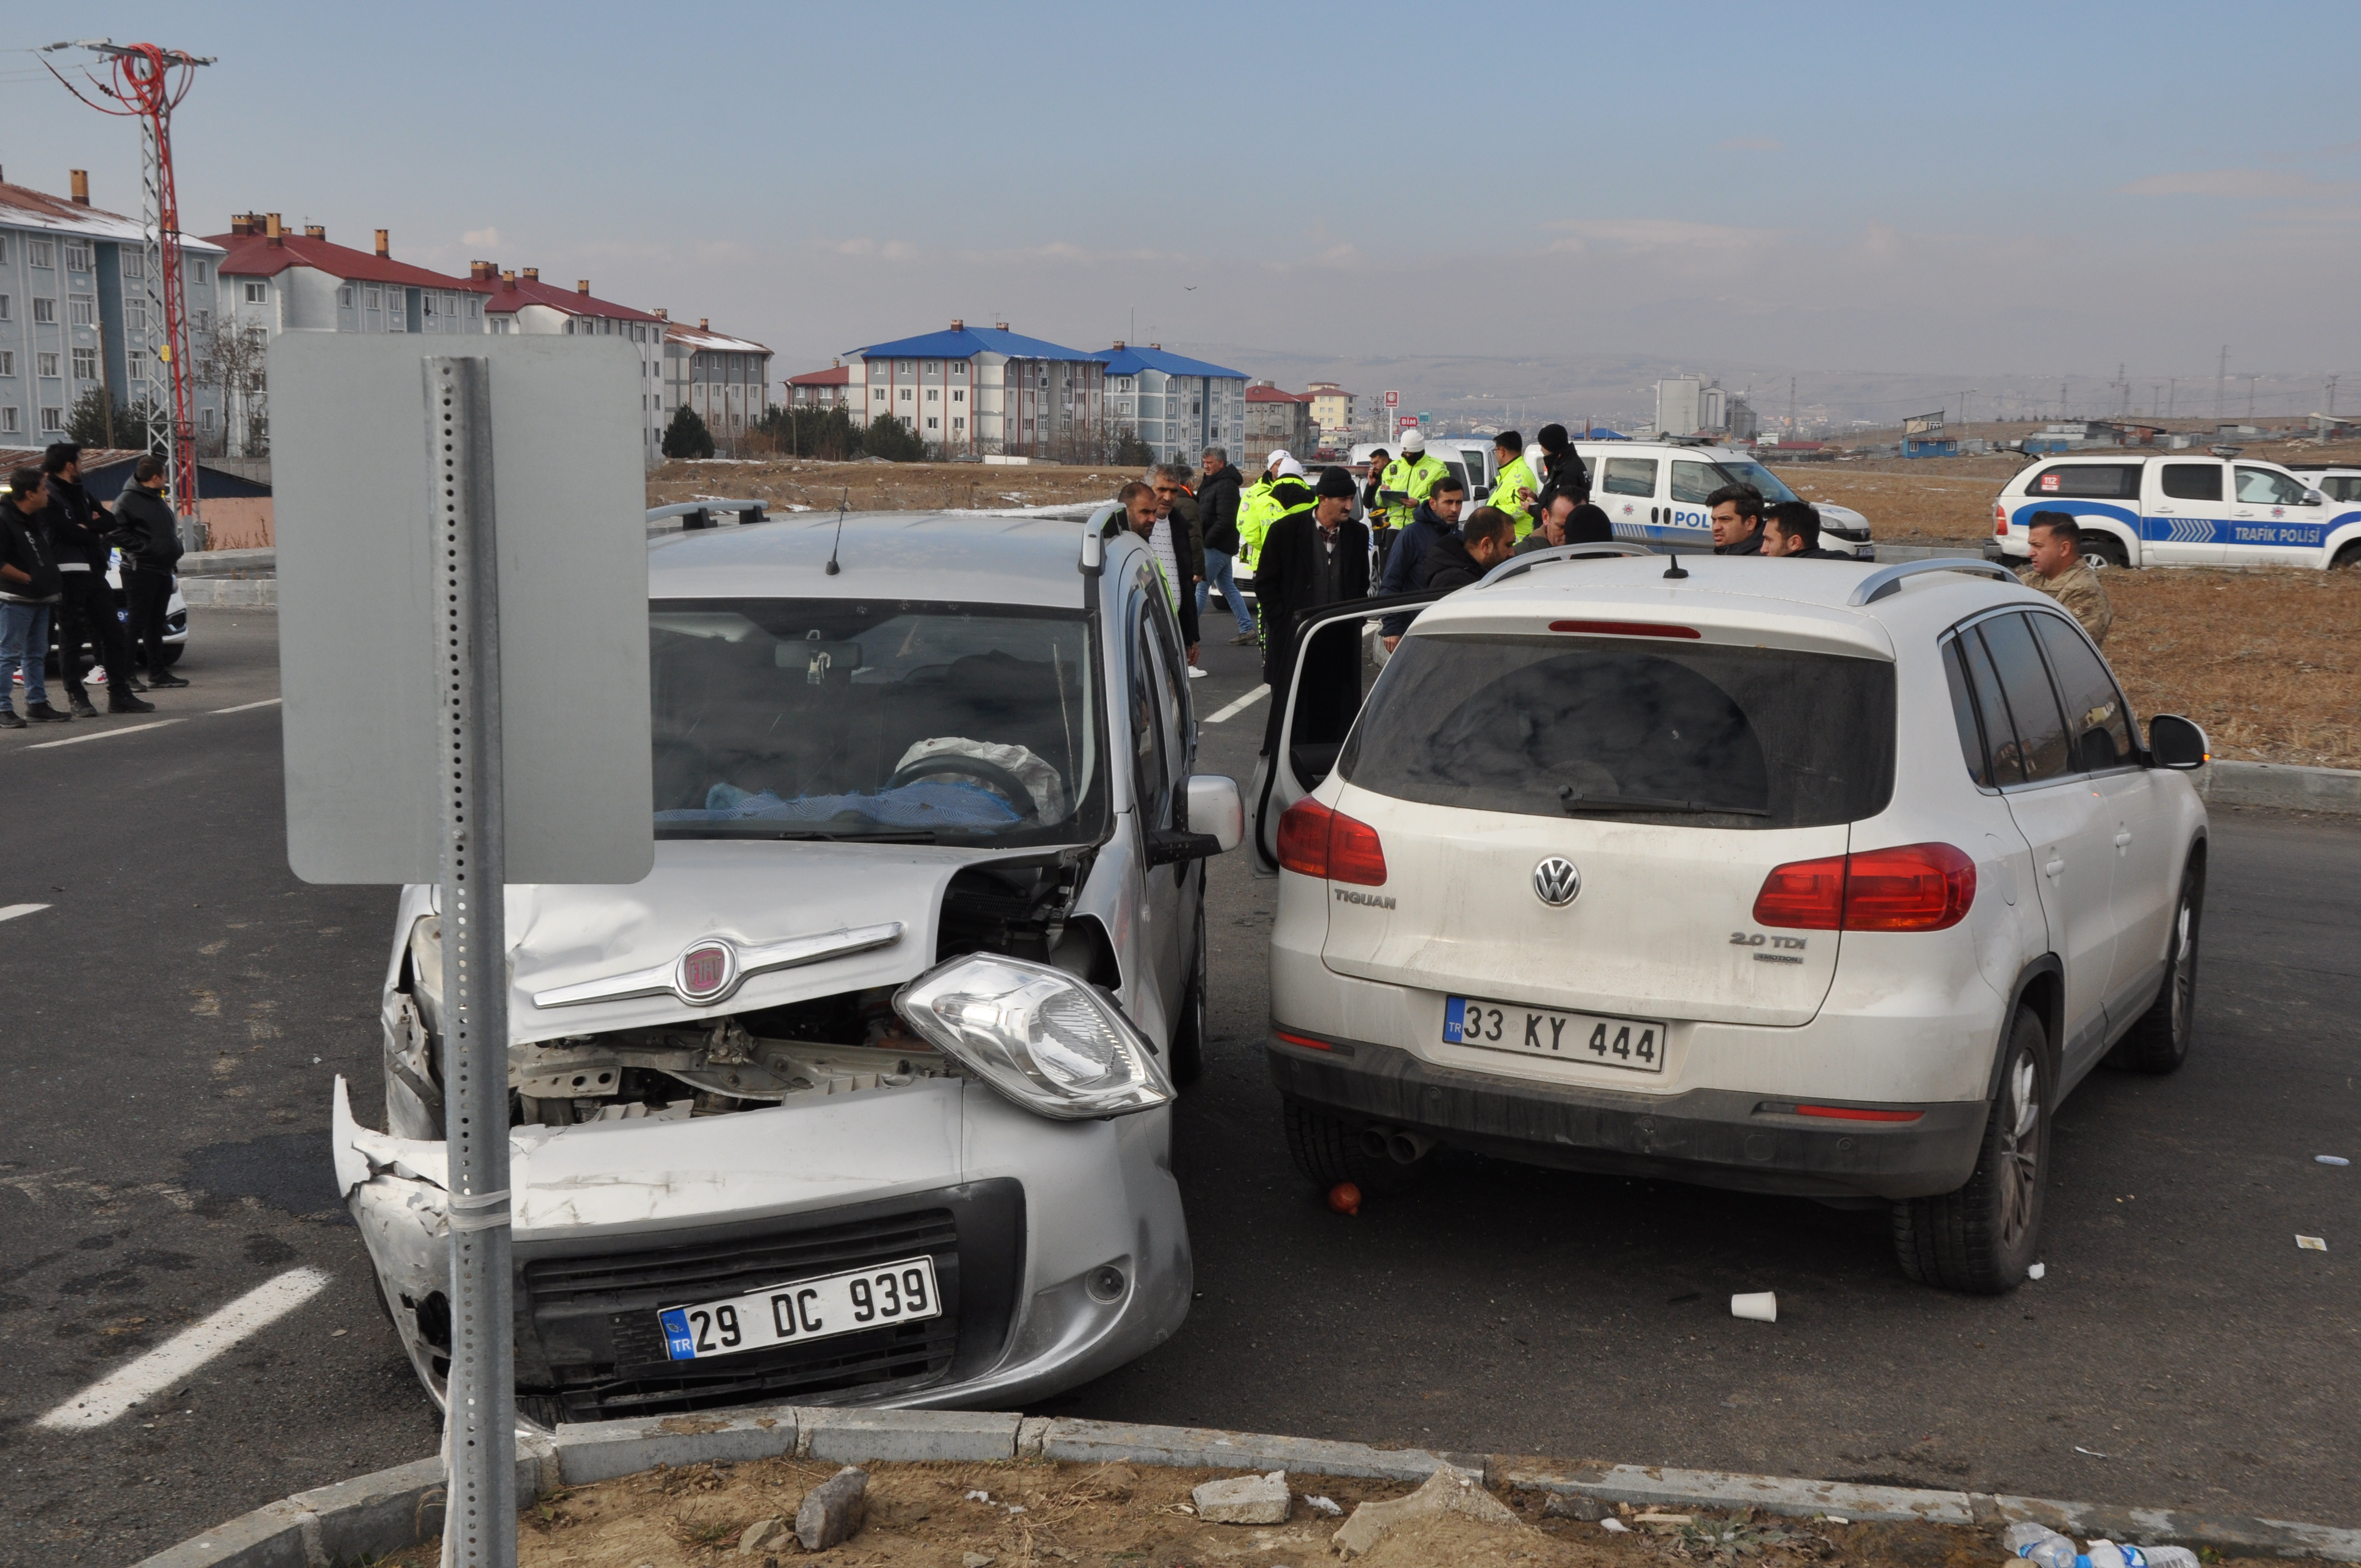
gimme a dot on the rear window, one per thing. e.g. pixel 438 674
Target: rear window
pixel 2193 481
pixel 2103 481
pixel 1604 728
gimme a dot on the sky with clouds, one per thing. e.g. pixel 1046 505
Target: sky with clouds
pixel 2003 190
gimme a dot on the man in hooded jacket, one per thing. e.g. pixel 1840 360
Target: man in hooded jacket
pixel 1437 520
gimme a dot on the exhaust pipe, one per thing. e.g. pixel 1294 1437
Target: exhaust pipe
pixel 1374 1141
pixel 1408 1148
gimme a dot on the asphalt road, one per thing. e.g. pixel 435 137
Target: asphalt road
pixel 170 1023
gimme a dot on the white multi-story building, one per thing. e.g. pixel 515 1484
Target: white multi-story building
pixel 726 379
pixel 1177 405
pixel 78 311
pixel 272 280
pixel 519 302
pixel 972 390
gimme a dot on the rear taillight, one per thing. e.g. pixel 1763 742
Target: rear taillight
pixel 1316 841
pixel 2000 520
pixel 1917 887
pixel 1803 895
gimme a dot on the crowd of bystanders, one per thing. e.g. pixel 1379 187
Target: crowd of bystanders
pixel 57 545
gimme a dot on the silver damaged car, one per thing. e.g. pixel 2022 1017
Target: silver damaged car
pixel 863 1095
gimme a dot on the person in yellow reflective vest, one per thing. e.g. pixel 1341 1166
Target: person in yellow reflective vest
pixel 1413 474
pixel 1283 493
pixel 1516 489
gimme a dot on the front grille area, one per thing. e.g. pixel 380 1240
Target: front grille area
pixel 588 1346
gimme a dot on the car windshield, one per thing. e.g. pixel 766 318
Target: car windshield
pixel 898 722
pixel 1745 471
pixel 1698 735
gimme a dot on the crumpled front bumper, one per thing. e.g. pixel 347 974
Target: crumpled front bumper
pixel 613 1215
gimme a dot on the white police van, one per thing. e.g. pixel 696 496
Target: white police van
pixel 2184 508
pixel 1654 493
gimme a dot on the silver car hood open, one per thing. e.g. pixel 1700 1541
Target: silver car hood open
pixel 805 919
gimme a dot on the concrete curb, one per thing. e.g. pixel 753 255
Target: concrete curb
pixel 2287 788
pixel 398 1507
pixel 230 593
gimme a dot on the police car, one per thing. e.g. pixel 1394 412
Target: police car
pixel 1654 493
pixel 2187 509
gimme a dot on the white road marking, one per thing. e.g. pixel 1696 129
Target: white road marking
pixel 103 734
pixel 1240 705
pixel 164 1366
pixel 10 912
pixel 241 707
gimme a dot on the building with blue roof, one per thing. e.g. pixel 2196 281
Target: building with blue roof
pixel 985 391
pixel 1177 405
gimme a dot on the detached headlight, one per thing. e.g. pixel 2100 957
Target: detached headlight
pixel 1049 1042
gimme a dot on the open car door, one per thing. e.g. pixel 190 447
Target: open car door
pixel 1337 655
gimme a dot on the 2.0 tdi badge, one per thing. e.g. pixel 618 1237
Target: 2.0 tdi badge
pixel 1556 882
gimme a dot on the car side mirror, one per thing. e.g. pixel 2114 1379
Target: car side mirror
pixel 1216 808
pixel 2178 742
pixel 2313 498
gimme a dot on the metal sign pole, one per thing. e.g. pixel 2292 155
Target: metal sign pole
pixel 479 1433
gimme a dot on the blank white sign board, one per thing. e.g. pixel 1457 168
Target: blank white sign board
pixel 352 470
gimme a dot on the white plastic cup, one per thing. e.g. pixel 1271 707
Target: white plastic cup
pixel 1761 1307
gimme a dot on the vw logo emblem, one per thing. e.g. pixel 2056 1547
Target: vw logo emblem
pixel 1555 882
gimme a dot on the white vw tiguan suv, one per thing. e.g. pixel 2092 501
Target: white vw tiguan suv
pixel 1807 878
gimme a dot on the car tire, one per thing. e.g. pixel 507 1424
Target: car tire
pixel 1186 1062
pixel 2157 1041
pixel 1328 1151
pixel 172 652
pixel 1981 1238
pixel 2107 548
pixel 2348 557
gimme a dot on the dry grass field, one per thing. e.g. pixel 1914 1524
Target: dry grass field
pixel 2268 661
pixel 807 483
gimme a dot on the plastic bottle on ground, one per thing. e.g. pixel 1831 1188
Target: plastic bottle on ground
pixel 2045 1547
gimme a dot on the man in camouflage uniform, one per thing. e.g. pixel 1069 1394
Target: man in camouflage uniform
pixel 2058 570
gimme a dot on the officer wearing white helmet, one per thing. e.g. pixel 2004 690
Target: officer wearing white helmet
pixel 1409 481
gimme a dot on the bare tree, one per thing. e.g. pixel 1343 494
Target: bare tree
pixel 231 358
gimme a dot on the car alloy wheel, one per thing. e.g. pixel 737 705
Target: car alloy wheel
pixel 2020 1149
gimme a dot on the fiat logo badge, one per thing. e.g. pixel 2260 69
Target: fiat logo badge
pixel 706 972
pixel 1556 882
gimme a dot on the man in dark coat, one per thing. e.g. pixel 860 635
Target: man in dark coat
pixel 1217 512
pixel 1736 515
pixel 79 530
pixel 1790 529
pixel 150 536
pixel 1567 518
pixel 1483 541
pixel 1310 559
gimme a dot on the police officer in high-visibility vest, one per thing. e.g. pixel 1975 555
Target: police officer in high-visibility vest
pixel 1282 492
pixel 1413 475
pixel 1516 489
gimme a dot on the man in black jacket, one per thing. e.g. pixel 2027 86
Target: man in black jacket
pixel 1483 541
pixel 1736 515
pixel 1790 529
pixel 150 538
pixel 1217 513
pixel 86 613
pixel 1310 558
pixel 1567 518
pixel 1437 518
pixel 28 591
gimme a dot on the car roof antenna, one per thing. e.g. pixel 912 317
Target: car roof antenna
pixel 1675 569
pixel 843 502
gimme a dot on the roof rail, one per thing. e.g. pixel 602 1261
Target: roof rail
pixel 1889 579
pixel 1523 564
pixel 700 514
